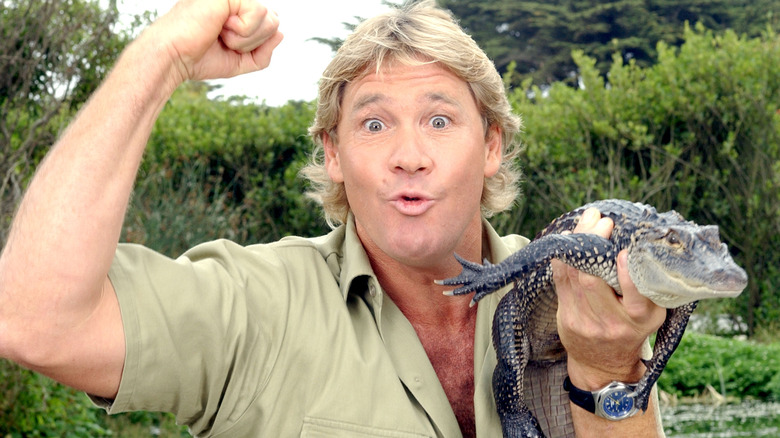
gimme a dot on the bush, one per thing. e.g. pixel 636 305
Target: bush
pixel 172 213
pixel 223 168
pixel 742 369
pixel 34 406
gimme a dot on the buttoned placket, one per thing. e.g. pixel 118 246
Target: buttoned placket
pixel 411 362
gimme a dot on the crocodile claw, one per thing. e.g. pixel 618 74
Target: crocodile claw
pixel 471 279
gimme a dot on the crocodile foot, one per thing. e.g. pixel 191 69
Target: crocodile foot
pixel 642 392
pixel 471 279
pixel 521 425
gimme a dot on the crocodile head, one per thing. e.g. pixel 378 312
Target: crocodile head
pixel 680 263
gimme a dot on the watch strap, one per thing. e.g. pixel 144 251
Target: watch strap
pixel 579 397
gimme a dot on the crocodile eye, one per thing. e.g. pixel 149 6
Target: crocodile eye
pixel 672 238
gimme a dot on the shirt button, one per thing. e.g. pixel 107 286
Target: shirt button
pixel 372 290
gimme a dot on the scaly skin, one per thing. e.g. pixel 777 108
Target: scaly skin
pixel 673 262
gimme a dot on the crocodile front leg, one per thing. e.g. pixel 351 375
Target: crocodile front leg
pixel 588 252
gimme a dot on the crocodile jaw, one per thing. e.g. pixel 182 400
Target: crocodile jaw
pixel 667 287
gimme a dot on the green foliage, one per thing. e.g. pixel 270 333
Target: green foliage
pixel 698 132
pixel 539 36
pixel 33 406
pixel 741 369
pixel 223 168
pixel 44 47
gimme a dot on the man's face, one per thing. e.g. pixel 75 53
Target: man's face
pixel 413 153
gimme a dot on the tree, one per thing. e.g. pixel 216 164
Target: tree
pixel 539 36
pixel 53 54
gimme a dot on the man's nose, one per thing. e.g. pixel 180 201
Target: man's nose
pixel 410 152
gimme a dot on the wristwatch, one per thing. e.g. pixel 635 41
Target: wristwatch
pixel 615 401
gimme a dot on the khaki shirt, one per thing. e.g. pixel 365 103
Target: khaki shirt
pixel 293 338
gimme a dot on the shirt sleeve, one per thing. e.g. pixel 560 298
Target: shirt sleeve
pixel 192 327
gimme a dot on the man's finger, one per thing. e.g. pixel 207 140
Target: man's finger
pixel 249 29
pixel 262 55
pixel 591 222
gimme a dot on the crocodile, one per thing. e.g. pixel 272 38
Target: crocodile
pixel 673 262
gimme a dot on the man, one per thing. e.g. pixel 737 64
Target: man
pixel 341 335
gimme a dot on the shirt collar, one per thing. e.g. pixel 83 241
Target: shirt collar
pixel 351 260
pixel 354 261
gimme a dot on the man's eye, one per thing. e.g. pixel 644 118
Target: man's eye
pixel 440 122
pixel 374 125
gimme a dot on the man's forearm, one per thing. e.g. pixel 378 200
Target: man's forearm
pixel 63 238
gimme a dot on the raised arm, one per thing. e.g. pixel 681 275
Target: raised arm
pixel 603 335
pixel 58 311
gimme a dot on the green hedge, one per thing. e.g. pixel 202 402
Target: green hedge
pixel 735 368
pixel 33 406
pixel 223 169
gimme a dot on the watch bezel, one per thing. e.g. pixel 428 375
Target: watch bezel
pixel 601 396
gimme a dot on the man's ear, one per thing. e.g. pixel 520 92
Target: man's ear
pixel 332 162
pixel 493 150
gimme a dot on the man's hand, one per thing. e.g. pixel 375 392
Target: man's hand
pixel 208 39
pixel 603 333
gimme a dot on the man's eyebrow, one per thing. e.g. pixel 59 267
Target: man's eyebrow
pixel 369 99
pixel 440 97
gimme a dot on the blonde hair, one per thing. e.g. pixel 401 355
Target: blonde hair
pixel 416 33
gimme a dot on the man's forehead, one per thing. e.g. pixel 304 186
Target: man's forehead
pixel 378 98
pixel 380 86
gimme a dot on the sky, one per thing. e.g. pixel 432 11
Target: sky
pixel 297 63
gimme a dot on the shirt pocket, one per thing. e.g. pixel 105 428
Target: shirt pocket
pixel 321 428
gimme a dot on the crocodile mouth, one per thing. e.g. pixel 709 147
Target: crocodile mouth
pixel 673 289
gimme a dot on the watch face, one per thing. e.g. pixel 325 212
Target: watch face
pixel 616 403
